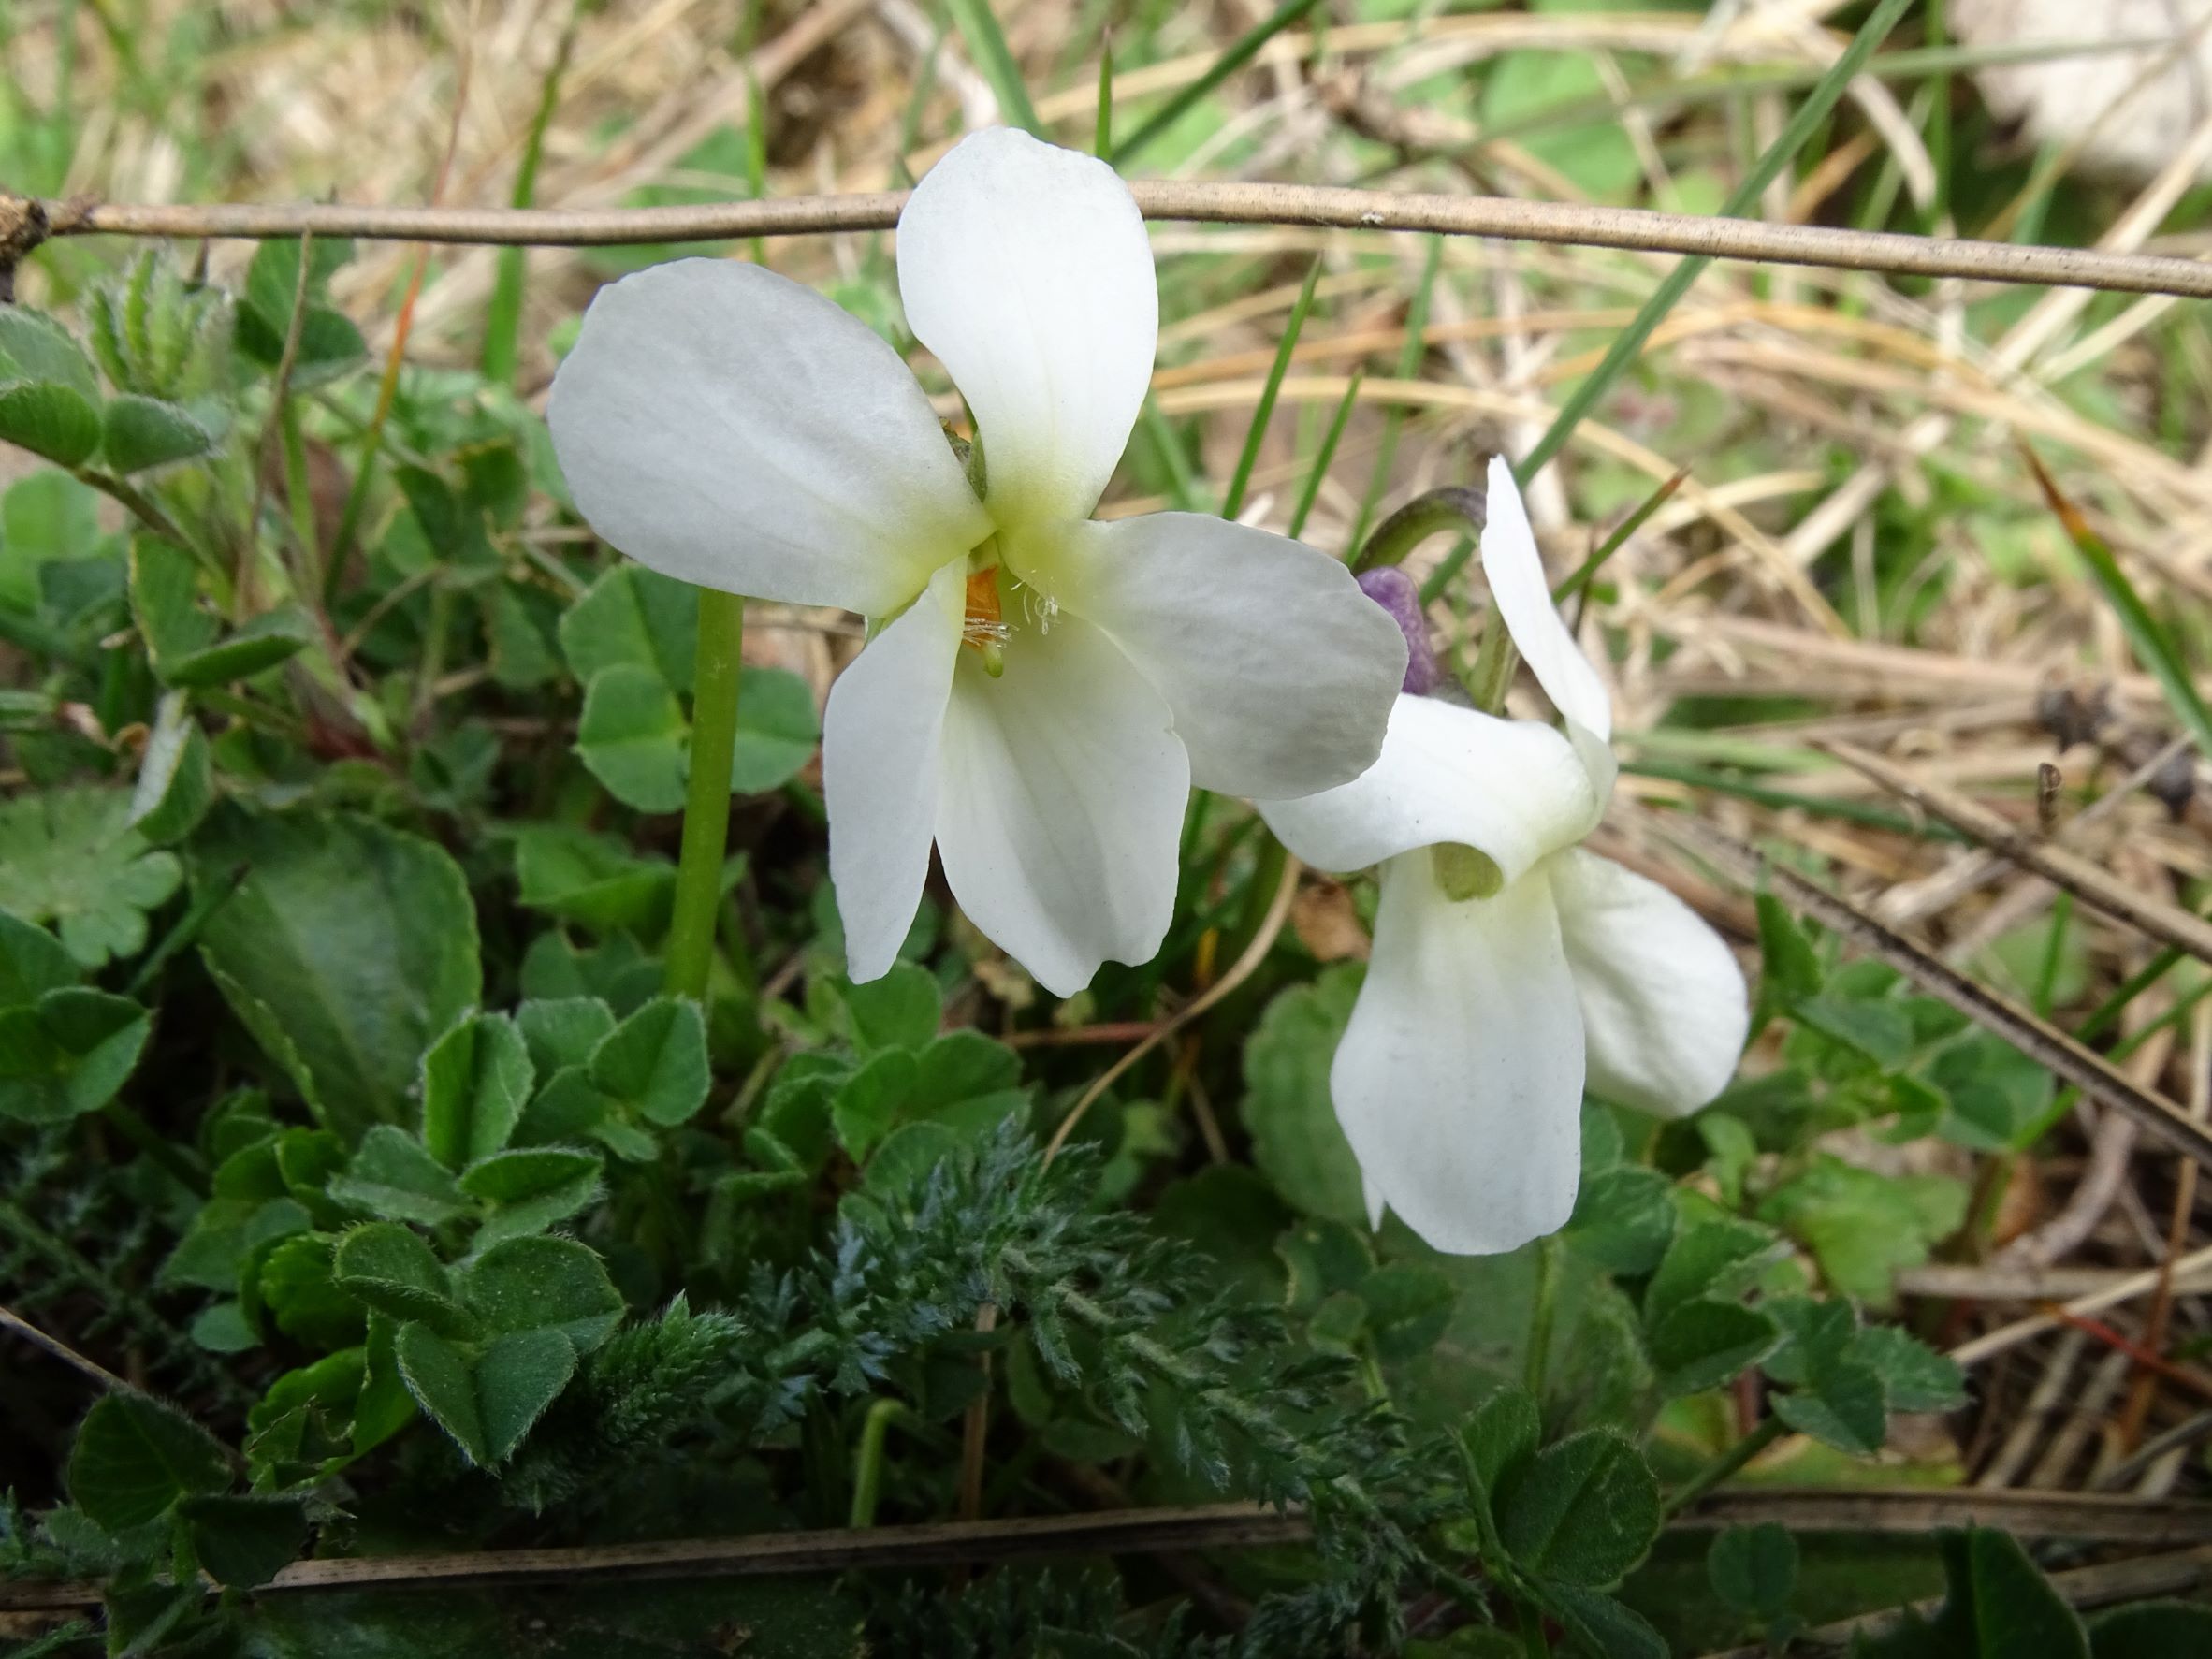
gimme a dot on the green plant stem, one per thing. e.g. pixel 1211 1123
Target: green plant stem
pixel 210 899
pixel 1453 507
pixel 867 1461
pixel 1726 1464
pixel 502 316
pixel 1533 1640
pixel 1541 1317
pixel 995 62
pixel 1256 431
pixel 1319 473
pixel 706 806
pixel 1103 137
pixel 1629 344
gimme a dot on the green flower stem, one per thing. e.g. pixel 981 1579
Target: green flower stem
pixel 1541 1317
pixel 1453 507
pixel 867 1462
pixel 1758 1440
pixel 1533 1640
pixel 707 808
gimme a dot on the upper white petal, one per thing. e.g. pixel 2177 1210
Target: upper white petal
pixel 1523 597
pixel 880 742
pixel 1512 789
pixel 1025 269
pixel 1663 999
pixel 1459 1081
pixel 1280 672
pixel 730 428
pixel 1060 804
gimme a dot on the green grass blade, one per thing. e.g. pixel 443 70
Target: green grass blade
pixel 1630 342
pixel 995 62
pixel 1409 363
pixel 1239 52
pixel 1233 503
pixel 1318 474
pixel 1102 139
pixel 1182 486
pixel 502 316
pixel 2145 638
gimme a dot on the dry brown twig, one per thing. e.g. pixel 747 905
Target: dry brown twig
pixel 1202 201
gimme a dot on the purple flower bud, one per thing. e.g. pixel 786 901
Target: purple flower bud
pixel 1395 591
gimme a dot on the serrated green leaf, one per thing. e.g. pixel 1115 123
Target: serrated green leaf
pixel 562 1031
pixel 270 638
pixel 1844 1407
pixel 134 1457
pixel 531 1188
pixel 70 857
pixel 243 1541
pixel 591 880
pixel 1718 1259
pixel 299 1288
pixel 900 1010
pixel 437 1376
pixel 176 782
pixel 1998 1605
pixel 1914 1377
pixel 1603 1627
pixel 142 432
pixel 634 737
pixel 67 1054
pixel 475 1081
pixel 393 1176
pixel 637 617
pixel 1704 1343
pixel 387 1268
pixel 1409 1305
pixel 2151 1630
pixel 55 422
pixel 33 347
pixel 32 962
pixel 543 1284
pixel 777 730
pixel 1623 1220
pixel 356 944
pixel 1754 1569
pixel 655 1061
pixel 870 1103
pixel 1581 1512
pixel 517 1377
pixel 1501 1435
pixel 1863 1226
pixel 1296 1141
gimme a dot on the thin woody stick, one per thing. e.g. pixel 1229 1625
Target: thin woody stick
pixel 24 224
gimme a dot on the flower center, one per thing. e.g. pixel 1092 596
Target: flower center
pixel 1465 873
pixel 984 629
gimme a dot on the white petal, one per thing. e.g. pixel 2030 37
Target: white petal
pixel 880 742
pixel 730 428
pixel 1663 999
pixel 1280 672
pixel 1512 789
pixel 1024 267
pixel 1459 1081
pixel 1060 804
pixel 1523 595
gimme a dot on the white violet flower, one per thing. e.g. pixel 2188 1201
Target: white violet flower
pixel 1509 965
pixel 1039 690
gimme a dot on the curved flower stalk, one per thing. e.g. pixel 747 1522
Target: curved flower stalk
pixel 1039 690
pixel 1509 965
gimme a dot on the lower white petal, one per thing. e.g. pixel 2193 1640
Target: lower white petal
pixel 1663 999
pixel 1061 805
pixel 880 742
pixel 1280 672
pixel 1512 789
pixel 1459 1081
